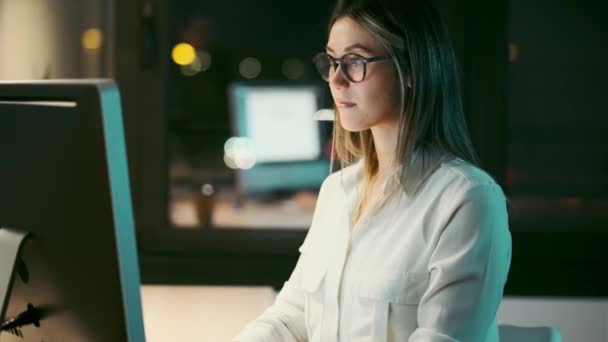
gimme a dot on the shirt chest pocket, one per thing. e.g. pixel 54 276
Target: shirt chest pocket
pixel 388 304
pixel 313 285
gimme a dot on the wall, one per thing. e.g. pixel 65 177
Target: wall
pixel 42 39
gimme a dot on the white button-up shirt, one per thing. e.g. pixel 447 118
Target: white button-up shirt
pixel 430 266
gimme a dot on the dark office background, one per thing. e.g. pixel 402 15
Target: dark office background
pixel 534 78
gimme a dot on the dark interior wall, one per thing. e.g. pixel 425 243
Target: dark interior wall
pixel 141 58
pixel 557 147
pixel 480 35
pixel 557 114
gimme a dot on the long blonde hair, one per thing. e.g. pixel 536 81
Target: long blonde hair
pixel 432 114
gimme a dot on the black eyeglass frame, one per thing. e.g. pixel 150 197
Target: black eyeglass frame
pixel 335 62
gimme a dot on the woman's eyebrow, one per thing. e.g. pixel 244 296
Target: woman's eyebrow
pixel 351 47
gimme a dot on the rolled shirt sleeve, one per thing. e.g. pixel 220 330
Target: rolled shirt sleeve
pixel 283 321
pixel 468 269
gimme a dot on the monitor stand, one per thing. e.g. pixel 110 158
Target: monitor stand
pixel 11 241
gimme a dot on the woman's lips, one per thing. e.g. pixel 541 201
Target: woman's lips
pixel 345 104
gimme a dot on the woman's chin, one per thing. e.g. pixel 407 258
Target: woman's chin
pixel 351 125
pixel 353 129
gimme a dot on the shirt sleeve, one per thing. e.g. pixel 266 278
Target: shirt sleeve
pixel 468 270
pixel 284 320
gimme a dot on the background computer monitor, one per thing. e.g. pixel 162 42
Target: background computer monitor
pixel 64 179
pixel 289 147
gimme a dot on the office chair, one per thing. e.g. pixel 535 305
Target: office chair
pixel 513 333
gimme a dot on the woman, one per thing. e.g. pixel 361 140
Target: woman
pixel 411 241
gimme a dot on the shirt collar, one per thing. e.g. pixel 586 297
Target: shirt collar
pixel 421 164
pixel 417 169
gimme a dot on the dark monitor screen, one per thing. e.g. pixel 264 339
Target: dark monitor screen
pixel 64 181
pixel 279 145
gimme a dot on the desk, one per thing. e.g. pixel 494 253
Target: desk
pixel 218 313
pixel 200 313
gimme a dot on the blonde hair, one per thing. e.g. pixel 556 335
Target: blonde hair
pixel 431 113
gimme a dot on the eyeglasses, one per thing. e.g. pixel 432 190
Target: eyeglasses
pixel 352 65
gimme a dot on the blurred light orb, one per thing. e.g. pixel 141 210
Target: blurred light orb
pixel 230 162
pixel 229 146
pixel 92 39
pixel 292 68
pixel 250 67
pixel 183 54
pixel 201 62
pixel 205 60
pixel 192 68
pixel 207 189
pixel 239 153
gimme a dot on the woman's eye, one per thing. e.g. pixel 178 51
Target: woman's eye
pixel 354 60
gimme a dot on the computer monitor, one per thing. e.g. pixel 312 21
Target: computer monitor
pixel 64 181
pixel 289 147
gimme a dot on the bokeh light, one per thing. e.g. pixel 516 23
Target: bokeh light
pixel 239 153
pixel 201 62
pixel 92 39
pixel 183 54
pixel 250 67
pixel 293 68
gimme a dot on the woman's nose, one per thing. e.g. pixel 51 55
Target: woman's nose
pixel 337 78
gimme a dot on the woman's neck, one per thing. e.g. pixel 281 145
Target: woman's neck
pixel 385 143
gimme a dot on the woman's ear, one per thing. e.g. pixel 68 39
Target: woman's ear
pixel 408 81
